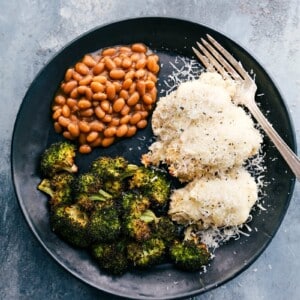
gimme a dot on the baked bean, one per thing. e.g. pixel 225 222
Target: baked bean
pixel 97 126
pixel 121 130
pixel 130 74
pixel 141 63
pixel 100 78
pixel 117 74
pixel 81 89
pixel 133 99
pixel 71 102
pixel 147 99
pixel 88 93
pixel 132 88
pixel 109 63
pixel 127 83
pixel 60 100
pixel 57 127
pixel 97 142
pixel 109 51
pixel 139 47
pixel 81 68
pixel 56 114
pixel 106 95
pixel 131 131
pixel 74 93
pixel 115 121
pixel 118 86
pixel 105 105
pixel 124 94
pixel 82 138
pixel 74 129
pixel 125 110
pixel 110 131
pixel 141 87
pixel 135 57
pixel 99 96
pixel 87 112
pixel 152 64
pixel 107 118
pixel 118 104
pixel 136 117
pixel 125 49
pixel 141 124
pixel 92 136
pixel 140 73
pixel 65 111
pixel 126 63
pixel 97 87
pixel 118 61
pixel 68 74
pixel 76 76
pixel 86 80
pixel 100 113
pixel 107 141
pixel 149 84
pixel 89 61
pixel 97 69
pixel 84 104
pixel 64 122
pixel 110 91
pixel 85 149
pixel 69 86
pixel 68 135
pixel 125 119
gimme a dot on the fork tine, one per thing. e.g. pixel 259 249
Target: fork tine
pixel 213 61
pixel 237 65
pixel 220 58
pixel 204 60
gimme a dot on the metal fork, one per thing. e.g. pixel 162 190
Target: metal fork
pixel 217 59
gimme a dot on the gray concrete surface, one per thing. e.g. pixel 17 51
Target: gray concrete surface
pixel 31 31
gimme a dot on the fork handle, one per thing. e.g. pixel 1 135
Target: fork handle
pixel 290 157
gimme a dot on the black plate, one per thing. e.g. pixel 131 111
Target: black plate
pixel 34 131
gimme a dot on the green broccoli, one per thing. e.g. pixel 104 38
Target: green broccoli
pixel 87 183
pixel 153 184
pixel 111 257
pixel 71 223
pixel 146 254
pixel 57 158
pixel 189 254
pixel 135 223
pixel 104 224
pixel 59 188
pixel 108 167
pixel 89 193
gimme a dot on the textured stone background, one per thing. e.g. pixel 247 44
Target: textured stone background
pixel 31 31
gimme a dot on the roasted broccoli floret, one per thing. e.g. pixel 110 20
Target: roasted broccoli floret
pixel 105 224
pixel 189 254
pixel 135 222
pixel 111 257
pixel 152 183
pixel 88 183
pixel 57 158
pixel 59 188
pixel 109 167
pixel 89 193
pixel 71 223
pixel 146 254
pixel 166 230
